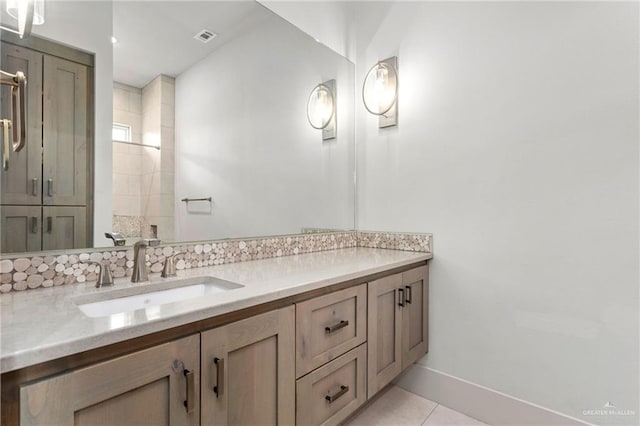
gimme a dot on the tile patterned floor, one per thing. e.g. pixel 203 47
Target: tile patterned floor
pixel 397 407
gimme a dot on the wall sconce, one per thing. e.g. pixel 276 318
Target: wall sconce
pixel 321 109
pixel 380 91
pixel 27 13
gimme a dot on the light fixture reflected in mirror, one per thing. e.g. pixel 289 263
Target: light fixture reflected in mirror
pixel 380 91
pixel 321 109
pixel 27 13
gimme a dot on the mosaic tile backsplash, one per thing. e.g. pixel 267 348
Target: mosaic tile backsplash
pixel 24 273
pixel 395 241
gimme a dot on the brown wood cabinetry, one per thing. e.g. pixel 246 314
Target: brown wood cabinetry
pixel 156 386
pixel 22 182
pixel 53 169
pixel 64 227
pixel 64 158
pixel 415 315
pixel 311 359
pixel 398 325
pixel 248 371
pixel 331 393
pixel 328 326
pixel 21 228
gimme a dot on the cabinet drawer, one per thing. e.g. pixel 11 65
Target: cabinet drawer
pixel 328 326
pixel 331 393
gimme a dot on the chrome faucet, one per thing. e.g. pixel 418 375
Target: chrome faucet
pixel 104 278
pixel 140 272
pixel 169 268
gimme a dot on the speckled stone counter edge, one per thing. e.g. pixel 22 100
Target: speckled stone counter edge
pixel 29 273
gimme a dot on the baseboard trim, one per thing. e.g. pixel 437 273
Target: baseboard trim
pixel 479 402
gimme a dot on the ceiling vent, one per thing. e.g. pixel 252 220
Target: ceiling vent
pixel 205 36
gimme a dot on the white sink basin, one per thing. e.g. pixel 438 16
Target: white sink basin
pixel 124 301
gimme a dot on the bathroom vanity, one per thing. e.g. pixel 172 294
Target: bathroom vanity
pixel 203 141
pixel 302 340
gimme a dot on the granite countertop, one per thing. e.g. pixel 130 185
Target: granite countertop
pixel 45 324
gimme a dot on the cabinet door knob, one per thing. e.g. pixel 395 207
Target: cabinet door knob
pixel 189 403
pixel 219 386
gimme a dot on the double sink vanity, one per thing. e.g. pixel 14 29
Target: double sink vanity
pixel 304 339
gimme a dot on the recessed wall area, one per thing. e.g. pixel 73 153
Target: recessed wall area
pixel 143 181
pixel 127 160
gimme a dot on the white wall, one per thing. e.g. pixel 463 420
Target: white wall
pixel 517 146
pixel 242 137
pixel 326 21
pixel 87 25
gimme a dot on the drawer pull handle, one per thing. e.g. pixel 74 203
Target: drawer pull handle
pixel 408 298
pixel 189 403
pixel 343 389
pixel 34 225
pixel 34 187
pixel 335 327
pixel 50 187
pixel 49 224
pixel 218 388
pixel 401 297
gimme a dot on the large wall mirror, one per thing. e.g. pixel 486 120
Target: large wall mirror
pixel 210 136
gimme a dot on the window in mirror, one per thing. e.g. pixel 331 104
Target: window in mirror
pixel 121 132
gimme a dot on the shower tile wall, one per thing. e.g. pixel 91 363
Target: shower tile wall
pixel 143 184
pixel 157 182
pixel 127 160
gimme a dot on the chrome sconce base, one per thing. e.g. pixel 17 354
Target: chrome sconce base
pixel 390 118
pixel 330 131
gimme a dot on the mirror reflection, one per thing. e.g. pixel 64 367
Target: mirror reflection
pixel 209 136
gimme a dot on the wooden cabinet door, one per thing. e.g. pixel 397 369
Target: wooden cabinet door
pixel 20 229
pixel 64 227
pixel 415 313
pixel 385 332
pixel 248 371
pixel 22 183
pixel 156 386
pixel 65 132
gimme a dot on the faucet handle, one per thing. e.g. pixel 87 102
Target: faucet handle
pixel 104 277
pixel 152 242
pixel 169 268
pixel 147 242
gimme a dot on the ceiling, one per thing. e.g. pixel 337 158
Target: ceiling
pixel 156 37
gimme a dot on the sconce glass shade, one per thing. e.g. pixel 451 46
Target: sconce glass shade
pixel 17 10
pixel 380 89
pixel 321 107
